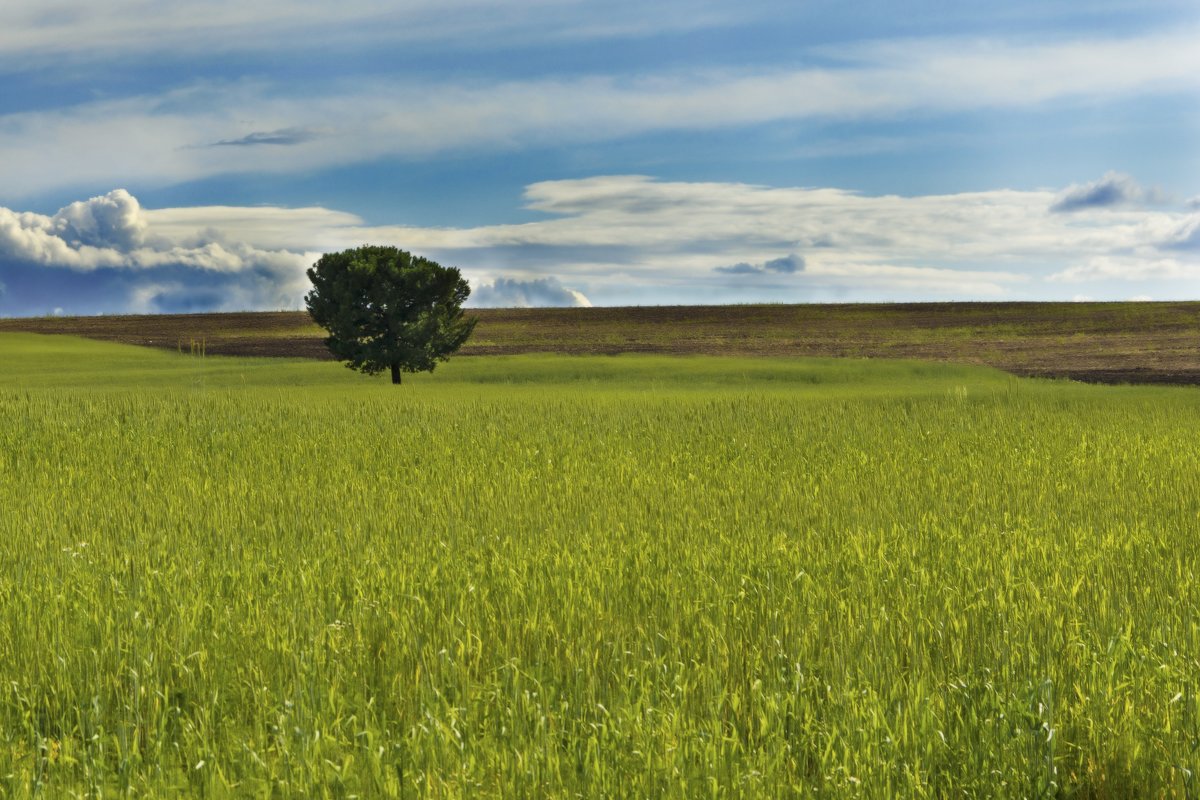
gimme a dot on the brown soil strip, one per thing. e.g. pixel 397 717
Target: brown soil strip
pixel 1096 342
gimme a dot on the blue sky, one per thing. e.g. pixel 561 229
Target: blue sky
pixel 164 156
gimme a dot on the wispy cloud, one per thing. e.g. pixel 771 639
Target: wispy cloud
pixel 690 238
pixel 285 136
pixel 152 138
pixel 1126 268
pixel 80 30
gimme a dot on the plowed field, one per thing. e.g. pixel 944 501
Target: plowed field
pixel 1096 342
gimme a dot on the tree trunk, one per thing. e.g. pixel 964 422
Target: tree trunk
pixel 395 373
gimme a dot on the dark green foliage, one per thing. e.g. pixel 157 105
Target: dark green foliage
pixel 386 309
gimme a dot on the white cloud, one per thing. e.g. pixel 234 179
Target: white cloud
pixel 82 31
pixel 612 211
pixel 534 293
pixel 113 233
pixel 616 233
pixel 144 299
pixel 266 227
pixel 1129 268
pixel 169 137
pixel 34 238
pixel 990 72
pixel 633 239
pixel 114 220
pixel 1184 236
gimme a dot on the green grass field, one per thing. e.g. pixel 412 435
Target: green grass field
pixel 632 576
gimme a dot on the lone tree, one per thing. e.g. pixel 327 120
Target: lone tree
pixel 385 308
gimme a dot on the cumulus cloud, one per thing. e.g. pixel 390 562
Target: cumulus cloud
pixel 111 234
pixel 1113 190
pixel 106 231
pixel 113 220
pixel 111 231
pixel 535 293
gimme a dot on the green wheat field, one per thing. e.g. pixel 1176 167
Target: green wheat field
pixel 550 576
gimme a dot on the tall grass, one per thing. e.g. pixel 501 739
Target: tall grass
pixel 592 577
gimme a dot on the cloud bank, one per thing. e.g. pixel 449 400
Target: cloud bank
pixel 111 236
pixel 626 239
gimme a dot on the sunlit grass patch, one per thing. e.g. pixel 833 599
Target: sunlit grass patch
pixel 631 576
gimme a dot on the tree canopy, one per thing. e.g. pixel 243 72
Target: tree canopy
pixel 387 309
